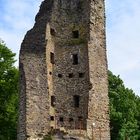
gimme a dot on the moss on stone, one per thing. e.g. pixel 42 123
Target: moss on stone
pixel 47 137
pixel 76 42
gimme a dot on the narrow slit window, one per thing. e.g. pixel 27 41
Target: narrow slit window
pixel 52 101
pixel 52 58
pixel 61 119
pixel 52 32
pixel 76 99
pixel 75 34
pixel 75 59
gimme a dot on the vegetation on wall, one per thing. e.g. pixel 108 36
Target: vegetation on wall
pixel 124 104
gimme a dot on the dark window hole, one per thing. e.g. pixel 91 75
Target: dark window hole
pixel 75 59
pixel 61 119
pixel 81 75
pixel 75 34
pixel 76 99
pixel 52 32
pixel 52 101
pixel 52 57
pixel 52 118
pixel 71 75
pixel 60 75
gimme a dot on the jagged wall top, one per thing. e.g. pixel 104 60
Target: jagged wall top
pixel 47 5
pixel 45 8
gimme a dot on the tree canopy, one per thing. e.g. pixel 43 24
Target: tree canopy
pixel 8 94
pixel 124 110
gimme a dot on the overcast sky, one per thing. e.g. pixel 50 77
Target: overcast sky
pixel 123 28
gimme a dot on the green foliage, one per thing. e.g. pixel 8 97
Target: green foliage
pixel 47 137
pixel 8 94
pixel 124 110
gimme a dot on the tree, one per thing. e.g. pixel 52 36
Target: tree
pixel 124 114
pixel 8 93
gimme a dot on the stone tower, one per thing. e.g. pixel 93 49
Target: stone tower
pixel 63 72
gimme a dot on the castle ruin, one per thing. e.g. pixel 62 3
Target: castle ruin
pixel 63 72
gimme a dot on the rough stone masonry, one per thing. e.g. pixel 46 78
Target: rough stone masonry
pixel 63 72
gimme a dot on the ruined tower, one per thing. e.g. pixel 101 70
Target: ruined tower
pixel 63 72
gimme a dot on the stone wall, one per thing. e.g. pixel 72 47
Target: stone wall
pixel 64 28
pixel 67 17
pixel 98 111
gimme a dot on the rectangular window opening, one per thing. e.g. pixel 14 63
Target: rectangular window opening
pixel 71 75
pixel 61 119
pixel 52 57
pixel 60 75
pixel 52 101
pixel 81 75
pixel 75 59
pixel 75 34
pixel 76 99
pixel 52 118
pixel 52 32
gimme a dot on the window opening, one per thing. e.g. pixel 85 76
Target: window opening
pixel 71 75
pixel 76 100
pixel 70 119
pixel 52 101
pixel 75 34
pixel 60 75
pixel 52 128
pixel 61 119
pixel 81 75
pixel 52 118
pixel 52 32
pixel 52 57
pixel 80 118
pixel 75 59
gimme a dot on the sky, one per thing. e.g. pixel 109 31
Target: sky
pixel 122 31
